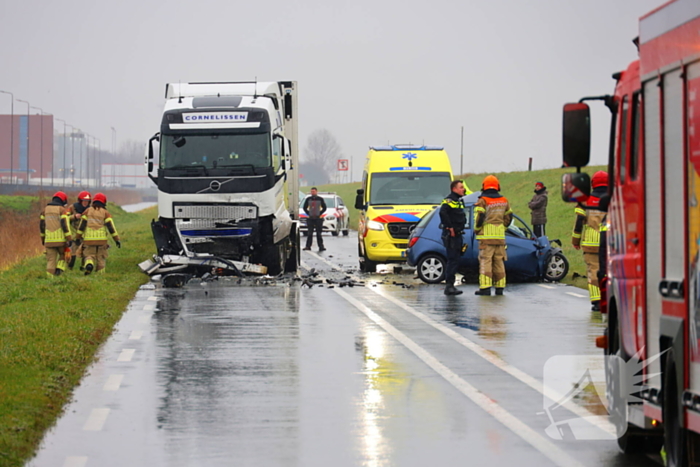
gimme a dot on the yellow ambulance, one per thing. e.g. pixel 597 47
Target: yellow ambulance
pixel 400 184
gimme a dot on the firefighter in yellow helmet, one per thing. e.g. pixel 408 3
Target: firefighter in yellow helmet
pixel 55 233
pixel 75 212
pixel 492 215
pixel 586 235
pixel 96 225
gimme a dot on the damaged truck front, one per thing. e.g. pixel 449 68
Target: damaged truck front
pixel 225 163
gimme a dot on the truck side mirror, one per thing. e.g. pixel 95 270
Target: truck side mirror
pixel 359 199
pixel 577 135
pixel 575 187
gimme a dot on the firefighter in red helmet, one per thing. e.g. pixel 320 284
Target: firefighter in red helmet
pixel 492 215
pixel 96 226
pixel 586 235
pixel 75 212
pixel 55 233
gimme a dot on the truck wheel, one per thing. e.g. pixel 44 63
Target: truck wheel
pixel 431 269
pixel 274 258
pixel 675 436
pixel 557 267
pixel 292 263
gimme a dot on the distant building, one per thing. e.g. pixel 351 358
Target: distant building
pixel 32 153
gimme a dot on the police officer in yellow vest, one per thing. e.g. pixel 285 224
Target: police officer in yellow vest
pixel 492 215
pixel 55 233
pixel 453 220
pixel 586 235
pixel 96 225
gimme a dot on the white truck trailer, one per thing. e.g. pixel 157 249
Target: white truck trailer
pixel 226 165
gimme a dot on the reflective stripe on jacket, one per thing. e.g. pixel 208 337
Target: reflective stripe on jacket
pixel 96 225
pixel 587 227
pixel 54 227
pixel 492 214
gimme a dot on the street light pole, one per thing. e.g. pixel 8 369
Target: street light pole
pixel 72 156
pixel 98 172
pixel 25 102
pixel 41 146
pixel 12 131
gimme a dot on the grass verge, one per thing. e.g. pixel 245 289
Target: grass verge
pixel 51 328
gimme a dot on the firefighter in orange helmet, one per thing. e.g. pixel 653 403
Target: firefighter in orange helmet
pixel 55 233
pixel 492 215
pixel 75 212
pixel 96 225
pixel 586 235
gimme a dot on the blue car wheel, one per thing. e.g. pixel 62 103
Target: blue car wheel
pixel 557 268
pixel 431 269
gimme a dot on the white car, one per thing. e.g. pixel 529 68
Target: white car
pixel 336 219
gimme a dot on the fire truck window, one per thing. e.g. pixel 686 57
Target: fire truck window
pixel 634 143
pixel 623 139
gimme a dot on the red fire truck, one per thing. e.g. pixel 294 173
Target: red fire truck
pixel 651 292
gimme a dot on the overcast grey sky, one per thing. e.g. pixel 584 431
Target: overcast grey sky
pixel 371 72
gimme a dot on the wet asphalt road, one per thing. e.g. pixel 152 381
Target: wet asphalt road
pixel 392 373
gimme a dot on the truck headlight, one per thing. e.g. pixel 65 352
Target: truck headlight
pixel 330 218
pixel 374 225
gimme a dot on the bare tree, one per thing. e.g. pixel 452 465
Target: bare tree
pixel 323 151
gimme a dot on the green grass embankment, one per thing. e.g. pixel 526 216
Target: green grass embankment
pixel 51 328
pixel 518 187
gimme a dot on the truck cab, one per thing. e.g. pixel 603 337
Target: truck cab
pixel 224 162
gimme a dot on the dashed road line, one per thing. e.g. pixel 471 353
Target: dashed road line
pixel 135 335
pixel 113 383
pixel 75 461
pixel 545 286
pixel 96 420
pixel 126 355
pixel 574 294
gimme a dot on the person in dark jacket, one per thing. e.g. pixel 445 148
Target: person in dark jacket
pixel 314 207
pixel 453 221
pixel 538 206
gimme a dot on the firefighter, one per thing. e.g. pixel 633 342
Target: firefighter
pixel 586 235
pixel 55 233
pixel 75 212
pixel 492 215
pixel 95 226
pixel 453 221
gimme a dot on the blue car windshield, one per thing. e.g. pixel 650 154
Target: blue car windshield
pixel 409 188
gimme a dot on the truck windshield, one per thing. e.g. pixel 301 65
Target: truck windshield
pixel 214 151
pixel 409 188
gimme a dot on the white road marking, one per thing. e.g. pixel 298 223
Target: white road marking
pixel 135 335
pixel 574 294
pixel 551 451
pixel 113 383
pixel 149 307
pixel 96 420
pixel 152 298
pixel 126 355
pixel 75 461
pixel 593 418
pixel 545 286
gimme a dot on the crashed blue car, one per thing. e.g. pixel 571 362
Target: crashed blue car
pixel 529 258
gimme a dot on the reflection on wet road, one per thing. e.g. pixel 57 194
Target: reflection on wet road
pixel 392 373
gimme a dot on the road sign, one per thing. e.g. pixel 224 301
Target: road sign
pixel 343 164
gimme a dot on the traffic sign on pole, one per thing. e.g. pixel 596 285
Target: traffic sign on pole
pixel 343 164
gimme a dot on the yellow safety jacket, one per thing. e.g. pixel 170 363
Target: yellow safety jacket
pixel 492 215
pixel 587 227
pixel 96 225
pixel 54 226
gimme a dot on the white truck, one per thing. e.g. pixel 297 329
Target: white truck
pixel 225 162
